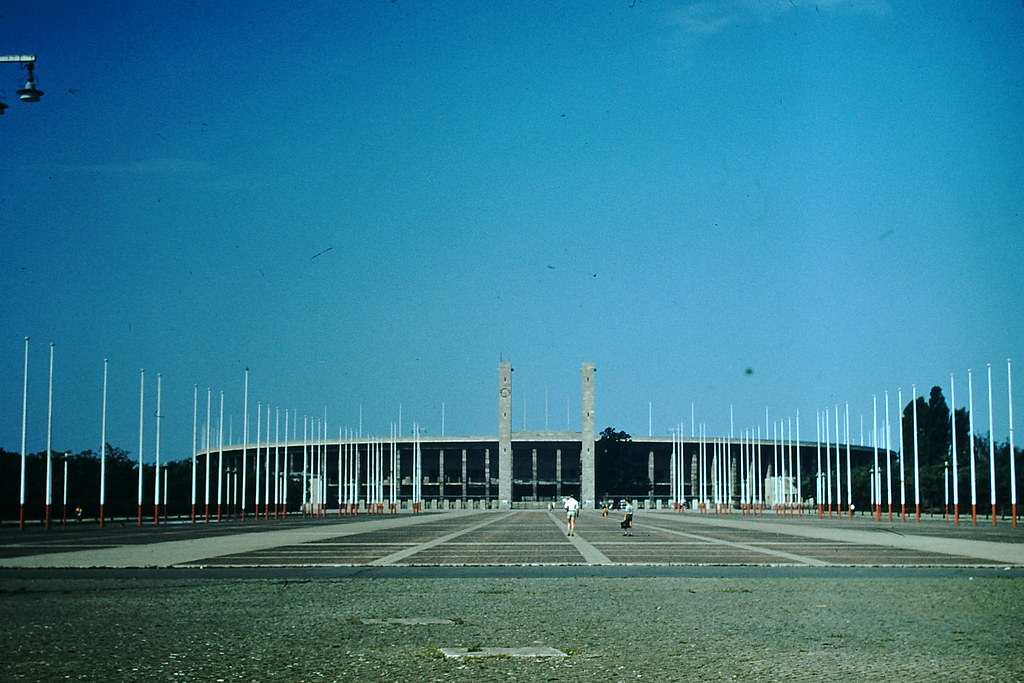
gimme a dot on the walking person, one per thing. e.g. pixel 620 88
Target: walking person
pixel 572 511
pixel 627 520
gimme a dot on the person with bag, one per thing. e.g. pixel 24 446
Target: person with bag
pixel 627 520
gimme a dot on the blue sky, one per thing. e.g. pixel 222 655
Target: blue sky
pixel 370 204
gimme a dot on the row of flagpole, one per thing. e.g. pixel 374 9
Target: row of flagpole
pixel 713 477
pixel 715 471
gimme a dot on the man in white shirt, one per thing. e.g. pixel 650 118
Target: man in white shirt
pixel 572 510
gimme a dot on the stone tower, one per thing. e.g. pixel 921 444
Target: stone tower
pixel 505 434
pixel 587 435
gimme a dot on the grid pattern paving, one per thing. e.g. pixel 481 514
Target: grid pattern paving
pixel 538 537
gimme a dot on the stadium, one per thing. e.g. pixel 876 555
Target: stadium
pixel 530 469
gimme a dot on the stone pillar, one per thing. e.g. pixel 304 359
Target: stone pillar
pixel 558 474
pixel 534 475
pixel 694 484
pixel 505 434
pixel 440 474
pixel 587 494
pixel 465 478
pixel 650 472
pixel 487 474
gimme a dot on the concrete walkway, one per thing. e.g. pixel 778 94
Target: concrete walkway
pixel 1010 553
pixel 174 553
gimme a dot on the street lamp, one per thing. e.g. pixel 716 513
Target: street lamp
pixel 30 93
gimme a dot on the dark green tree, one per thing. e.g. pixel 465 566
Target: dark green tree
pixel 934 443
pixel 618 468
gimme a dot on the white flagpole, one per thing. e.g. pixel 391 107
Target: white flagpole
pixel 917 475
pixel 876 499
pixel 828 464
pixel 341 472
pixel 817 476
pixel 849 470
pixel 681 470
pixel 704 466
pixel 672 473
pixel 314 461
pixel 344 470
pixel 395 464
pixel 839 466
pixel 318 468
pixel 195 426
pixel 790 490
pixel 220 459
pixel 888 457
pixel 970 436
pixel 956 480
pixel 903 474
pixel 776 468
pixel 759 453
pixel 287 467
pixel 277 460
pixel 700 471
pixel 323 466
pixel 759 480
pixel 208 446
pixel 156 455
pixel 680 477
pixel 49 443
pixel 103 443
pixel 284 480
pixel 991 450
pixel 142 387
pixel 305 465
pixel 748 462
pixel 256 469
pixel 415 473
pixel 783 468
pixel 785 463
pixel 24 433
pixel 245 440
pixel 741 490
pixel 266 472
pixel 799 487
pixel 1013 468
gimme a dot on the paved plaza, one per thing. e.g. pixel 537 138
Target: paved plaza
pixel 520 538
pixel 498 596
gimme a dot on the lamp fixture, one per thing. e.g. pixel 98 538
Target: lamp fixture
pixel 29 93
